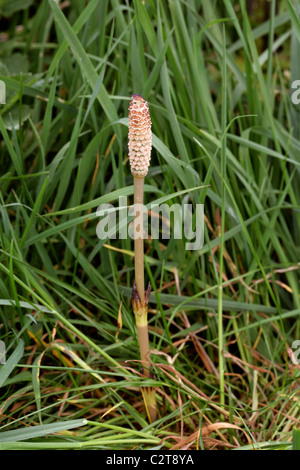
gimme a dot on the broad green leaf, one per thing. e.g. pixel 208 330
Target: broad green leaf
pixel 42 430
pixel 9 7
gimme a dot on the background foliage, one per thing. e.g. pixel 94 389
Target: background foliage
pixel 217 76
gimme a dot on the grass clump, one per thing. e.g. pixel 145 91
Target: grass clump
pixel 223 320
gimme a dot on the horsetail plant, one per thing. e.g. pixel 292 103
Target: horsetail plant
pixel 140 144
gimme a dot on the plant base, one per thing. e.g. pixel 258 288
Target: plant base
pixel 140 310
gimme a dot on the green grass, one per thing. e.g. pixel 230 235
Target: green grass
pixel 225 134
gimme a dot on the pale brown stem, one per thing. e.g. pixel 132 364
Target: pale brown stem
pixel 148 393
pixel 141 318
pixel 144 349
pixel 139 242
pixel 140 302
